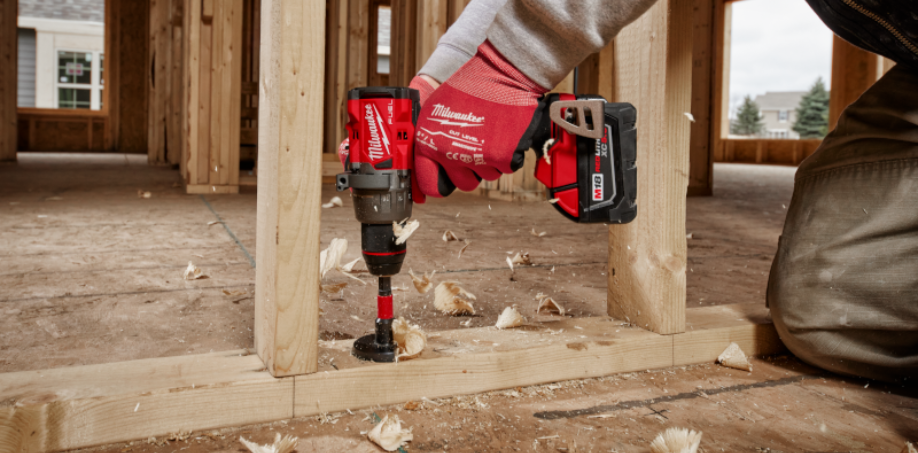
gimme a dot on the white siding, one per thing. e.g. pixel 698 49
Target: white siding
pixel 25 93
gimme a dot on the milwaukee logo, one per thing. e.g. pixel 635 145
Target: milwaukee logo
pixel 377 144
pixel 444 112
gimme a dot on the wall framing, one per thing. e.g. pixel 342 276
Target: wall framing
pixel 84 406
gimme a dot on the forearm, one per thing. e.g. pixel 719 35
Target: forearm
pixel 546 39
pixel 461 41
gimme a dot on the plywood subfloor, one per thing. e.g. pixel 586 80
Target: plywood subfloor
pixel 91 273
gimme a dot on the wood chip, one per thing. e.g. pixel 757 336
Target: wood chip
pixel 404 231
pixel 548 306
pixel 281 445
pixel 522 259
pixel 193 272
pixel 234 292
pixel 410 338
pixel 213 222
pixel 422 283
pixel 538 235
pixel 553 200
pixel 333 289
pixel 448 298
pixel 412 406
pixel 690 236
pixel 676 440
pixel 909 448
pixel 449 236
pixel 142 194
pixel 330 258
pixel 389 434
pixel 734 357
pixel 509 318
pixel 510 263
pixel 335 202
pixel 467 243
pixel 349 267
pixel 690 117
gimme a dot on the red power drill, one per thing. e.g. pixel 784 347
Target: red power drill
pixel 380 129
pixel 590 169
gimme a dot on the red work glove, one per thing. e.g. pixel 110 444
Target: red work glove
pixel 418 83
pixel 477 125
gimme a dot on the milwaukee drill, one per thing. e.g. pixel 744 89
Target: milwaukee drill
pixel 380 129
pixel 587 162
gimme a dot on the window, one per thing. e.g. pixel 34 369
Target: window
pixel 79 80
pixel 782 116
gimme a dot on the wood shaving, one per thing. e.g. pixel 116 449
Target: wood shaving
pixel 213 222
pixel 467 243
pixel 234 293
pixel 333 289
pixel 281 445
pixel 448 298
pixel 142 194
pixel 509 318
pixel 422 283
pixel 389 434
pixel 676 440
pixel 403 232
pixel 690 236
pixel 335 202
pixel 690 116
pixel 193 272
pixel 349 267
pixel 538 235
pixel 553 200
pixel 410 338
pixel 330 258
pixel 545 147
pixel 522 258
pixel 449 236
pixel 510 263
pixel 909 448
pixel 734 357
pixel 548 306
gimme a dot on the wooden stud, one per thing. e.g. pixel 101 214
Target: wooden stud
pixel 720 90
pixel 336 60
pixel 205 92
pixel 853 71
pixel 454 10
pixel 9 16
pixel 358 13
pixel 160 57
pixel 402 61
pixel 176 86
pixel 130 77
pixel 289 192
pixel 647 258
pixel 218 92
pixel 701 164
pixel 432 22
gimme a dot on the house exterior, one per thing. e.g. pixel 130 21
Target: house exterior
pixel 779 111
pixel 61 53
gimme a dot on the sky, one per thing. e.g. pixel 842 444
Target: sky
pixel 777 45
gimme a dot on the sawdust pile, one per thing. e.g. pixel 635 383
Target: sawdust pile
pixel 389 434
pixel 510 317
pixel 548 306
pixel 448 298
pixel 410 338
pixel 404 231
pixel 335 202
pixel 422 283
pixel 193 272
pixel 281 445
pixel 676 440
pixel 734 357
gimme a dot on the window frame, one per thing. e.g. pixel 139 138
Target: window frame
pixel 96 83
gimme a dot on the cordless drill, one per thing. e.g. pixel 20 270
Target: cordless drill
pixel 590 170
pixel 380 129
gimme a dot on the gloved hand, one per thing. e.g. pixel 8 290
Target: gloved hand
pixel 424 84
pixel 476 126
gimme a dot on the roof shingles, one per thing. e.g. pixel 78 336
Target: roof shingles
pixel 83 10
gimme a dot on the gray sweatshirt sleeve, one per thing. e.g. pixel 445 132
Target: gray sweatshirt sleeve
pixel 546 39
pixel 459 44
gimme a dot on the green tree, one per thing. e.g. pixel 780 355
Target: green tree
pixel 813 112
pixel 748 119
